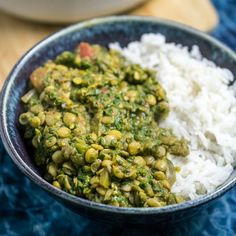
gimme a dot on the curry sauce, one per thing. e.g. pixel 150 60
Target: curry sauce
pixel 93 120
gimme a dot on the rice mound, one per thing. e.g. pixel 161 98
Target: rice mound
pixel 202 109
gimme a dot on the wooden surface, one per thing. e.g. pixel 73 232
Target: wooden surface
pixel 196 13
pixel 17 36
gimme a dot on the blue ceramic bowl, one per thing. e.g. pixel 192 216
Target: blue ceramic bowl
pixel 123 29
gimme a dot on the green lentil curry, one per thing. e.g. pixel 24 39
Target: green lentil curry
pixel 92 119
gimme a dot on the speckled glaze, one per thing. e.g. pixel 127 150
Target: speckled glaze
pixel 123 29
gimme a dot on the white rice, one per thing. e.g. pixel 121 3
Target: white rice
pixel 202 109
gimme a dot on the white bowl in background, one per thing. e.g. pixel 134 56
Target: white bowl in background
pixel 65 11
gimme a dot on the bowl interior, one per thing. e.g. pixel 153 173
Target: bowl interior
pixel 103 31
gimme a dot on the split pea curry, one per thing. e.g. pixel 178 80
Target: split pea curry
pixel 93 121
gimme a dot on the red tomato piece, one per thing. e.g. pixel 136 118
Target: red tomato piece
pixel 85 50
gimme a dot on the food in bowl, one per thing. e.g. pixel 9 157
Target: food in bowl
pixel 100 127
pixel 202 104
pixel 92 119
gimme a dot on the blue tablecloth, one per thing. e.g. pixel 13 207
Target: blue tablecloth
pixel 27 210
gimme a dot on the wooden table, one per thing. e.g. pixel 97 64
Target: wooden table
pixel 17 36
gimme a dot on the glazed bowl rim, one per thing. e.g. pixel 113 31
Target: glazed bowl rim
pixel 69 197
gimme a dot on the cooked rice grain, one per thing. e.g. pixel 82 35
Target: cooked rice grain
pixel 203 110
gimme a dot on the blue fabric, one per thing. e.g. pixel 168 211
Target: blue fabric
pixel 226 30
pixel 27 210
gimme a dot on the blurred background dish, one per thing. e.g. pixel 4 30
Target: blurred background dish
pixel 197 13
pixel 61 11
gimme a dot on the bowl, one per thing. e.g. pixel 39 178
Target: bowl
pixel 123 29
pixel 61 11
